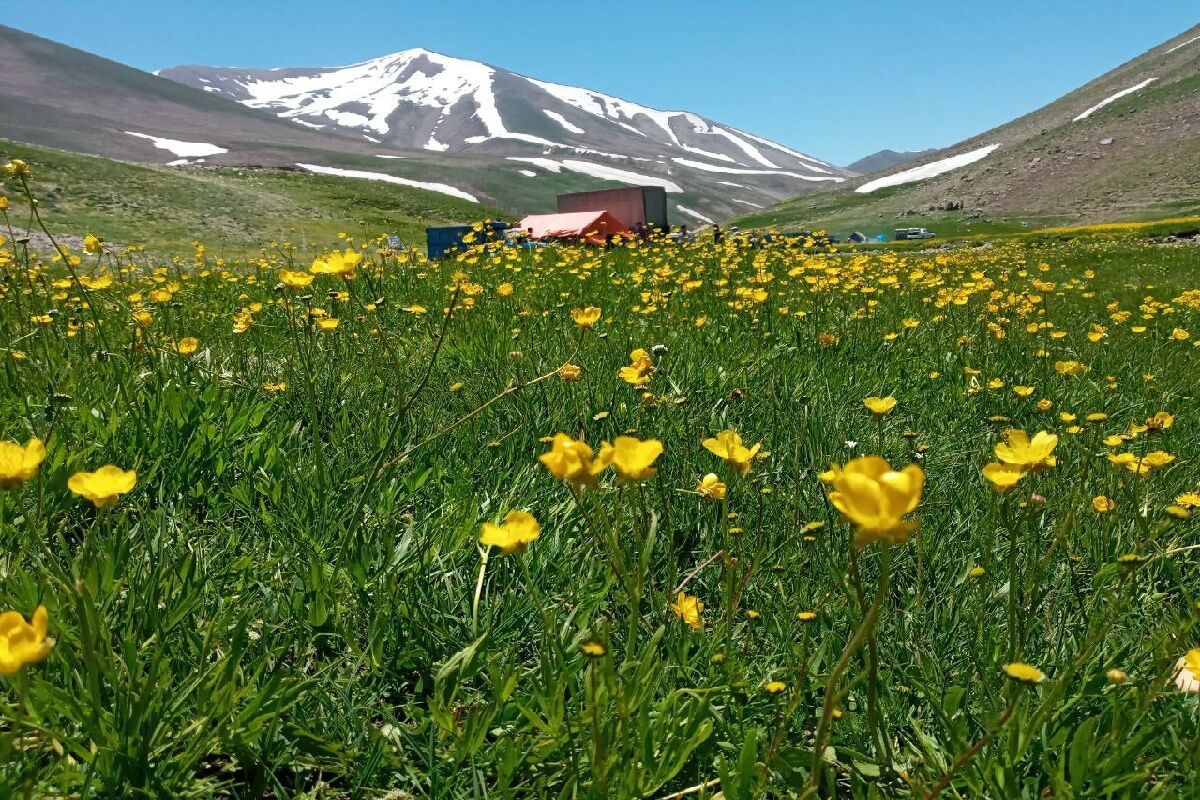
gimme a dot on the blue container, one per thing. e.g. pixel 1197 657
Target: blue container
pixel 447 240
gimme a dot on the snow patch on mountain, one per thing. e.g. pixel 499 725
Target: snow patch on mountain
pixel 693 214
pixel 563 121
pixel 180 148
pixel 1182 44
pixel 926 171
pixel 1112 99
pixel 687 162
pixel 383 176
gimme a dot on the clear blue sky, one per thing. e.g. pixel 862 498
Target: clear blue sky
pixel 834 79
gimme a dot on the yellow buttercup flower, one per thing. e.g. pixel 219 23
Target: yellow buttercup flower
pixel 632 457
pixel 504 290
pixel 774 687
pixel 104 485
pixel 638 371
pixel 1102 504
pixel 586 317
pixel 1160 421
pixel 93 244
pixel 728 445
pixel 23 642
pixel 1003 477
pixel 337 263
pixel 327 324
pixel 879 406
pixel 187 345
pixel 295 279
pixel 710 487
pixel 515 533
pixel 1025 673
pixel 96 283
pixel 875 498
pixel 16 168
pixel 20 463
pixel 571 460
pixel 1070 368
pixel 689 608
pixel 1021 451
pixel 569 372
pixel 1187 671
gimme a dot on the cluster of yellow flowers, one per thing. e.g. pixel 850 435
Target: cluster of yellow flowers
pixel 19 463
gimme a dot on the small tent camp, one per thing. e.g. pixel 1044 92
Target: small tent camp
pixel 594 227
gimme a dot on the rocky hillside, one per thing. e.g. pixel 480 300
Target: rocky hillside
pixel 1126 144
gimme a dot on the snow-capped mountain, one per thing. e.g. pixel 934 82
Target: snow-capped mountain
pixel 420 100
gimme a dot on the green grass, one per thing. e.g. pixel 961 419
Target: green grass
pixel 235 211
pixel 292 602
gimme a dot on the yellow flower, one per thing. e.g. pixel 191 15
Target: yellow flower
pixel 710 487
pixel 23 642
pixel 295 279
pixel 1187 674
pixel 415 309
pixel 104 485
pixel 1071 368
pixel 274 387
pixel 1018 450
pixel 638 372
pixel 827 340
pixel 593 648
pixel 515 533
pixel 1129 461
pixel 571 460
pixel 92 244
pixel 1157 459
pixel 187 345
pixel 327 324
pixel 3 203
pixel 1102 504
pixel 1044 405
pixel 875 498
pixel 336 263
pixel 775 687
pixel 96 283
pixel 879 406
pixel 1003 477
pixel 632 457
pixel 586 317
pixel 1025 673
pixel 16 168
pixel 1116 676
pixel 1188 500
pixel 1160 421
pixel 806 616
pixel 505 290
pixel 1023 391
pixel 18 464
pixel 569 372
pixel 728 445
pixel 688 608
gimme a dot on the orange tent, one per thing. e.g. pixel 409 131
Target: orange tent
pixel 594 227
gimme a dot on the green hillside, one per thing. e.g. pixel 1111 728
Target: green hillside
pixel 230 208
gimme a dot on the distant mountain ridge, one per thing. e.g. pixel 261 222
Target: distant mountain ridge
pixel 419 99
pixel 885 160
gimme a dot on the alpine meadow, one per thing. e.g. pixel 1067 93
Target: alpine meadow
pixel 292 508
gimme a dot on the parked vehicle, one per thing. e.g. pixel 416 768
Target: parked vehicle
pixel 914 233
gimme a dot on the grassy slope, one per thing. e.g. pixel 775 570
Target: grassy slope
pixel 231 209
pixel 252 628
